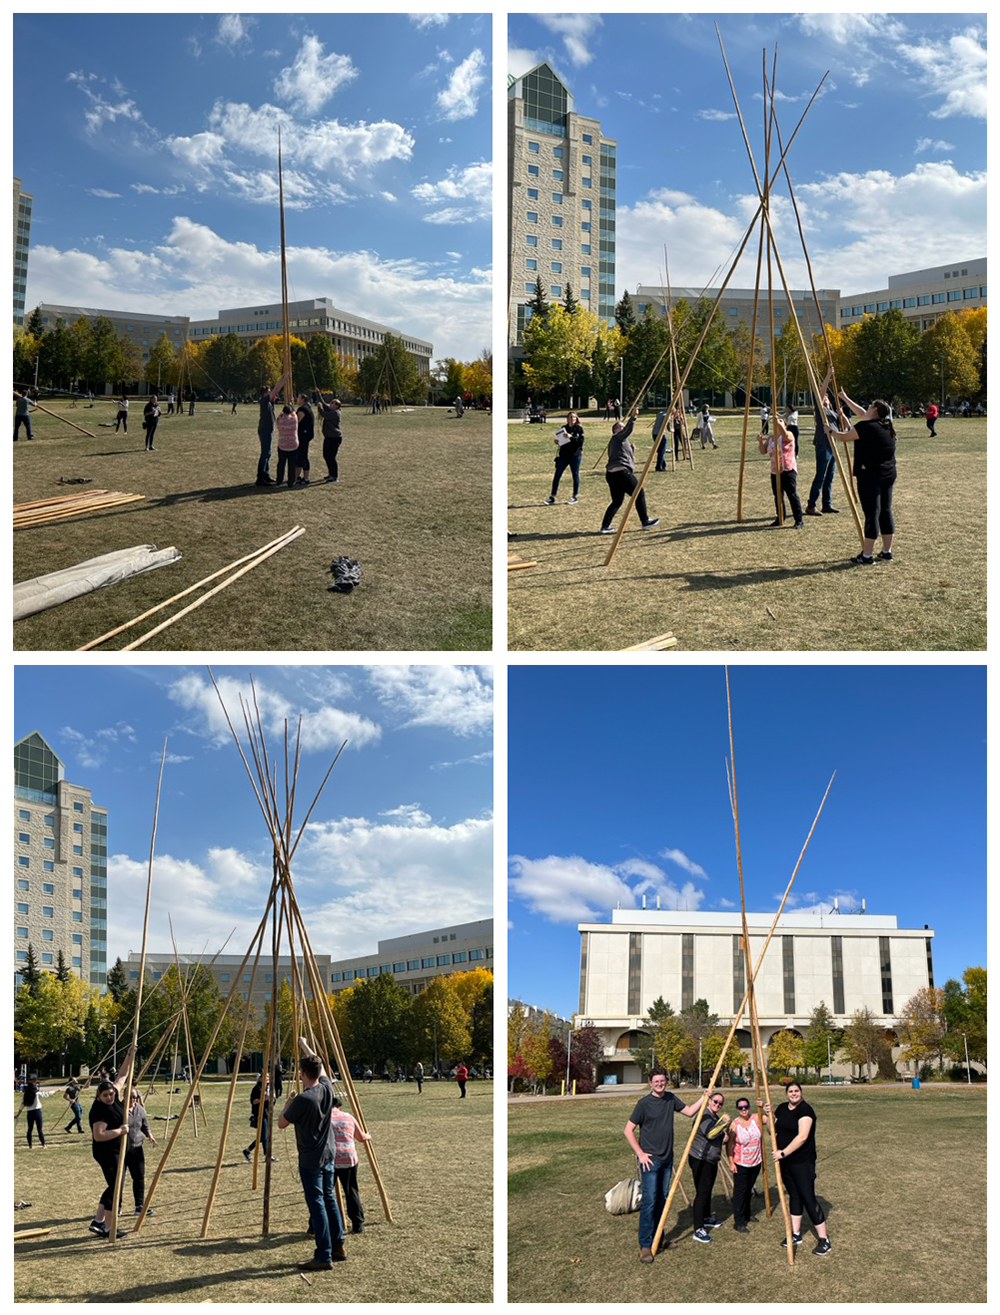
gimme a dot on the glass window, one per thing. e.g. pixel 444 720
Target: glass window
pixel 870 308
pixel 587 139
pixel 584 228
pixel 557 151
pixel 22 956
pixel 411 964
pixel 556 267
pixel 78 849
pixel 909 301
pixel 335 977
pixel 895 305
pixel 77 938
pixel 532 193
pixel 48 934
pixel 532 216
pixel 982 290
pixel 585 250
pixel 532 240
pixel 48 888
pixel 557 244
pixel 533 169
pixel 955 295
pixel 533 146
pixel 23 861
pixel 78 894
pixel 587 159
pixel 24 838
pixel 50 820
pixel 937 298
pixel 24 815
pixel 585 271
pixel 967 293
pixel 585 182
pixel 22 908
pixel 557 197
pixel 427 963
pixel 50 842
pixel 48 865
pixel 46 958
pixel 586 205
pixel 77 961
pixel 530 289
pixel 883 306
pixel 443 960
pixel 557 174
pixel 78 915
pixel 557 220
pixel 22 932
pixel 531 264
pixel 923 301
pixel 475 954
pixel 78 826
pixel 460 957
pixel 77 806
pixel 48 911
pixel 23 884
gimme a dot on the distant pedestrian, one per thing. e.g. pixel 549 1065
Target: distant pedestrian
pixel 569 453
pixel 607 409
pixel 22 416
pixel 459 406
pixel 418 1073
pixel 259 1116
pixel 706 422
pixel 150 419
pixel 792 425
pixel 72 1097
pixel 279 1080
pixel 931 413
pixel 122 417
pixel 332 435
pixel 31 1102
pixel 461 1077
pixel 617 408
pixel 170 402
pixel 763 418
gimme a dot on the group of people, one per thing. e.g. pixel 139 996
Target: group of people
pixel 650 1133
pixel 296 429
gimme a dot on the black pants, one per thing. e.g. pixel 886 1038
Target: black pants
pixel 18 422
pixel 800 1184
pixel 743 1181
pixel 461 1083
pixel 135 1163
pixel 35 1121
pixel 303 467
pixel 875 496
pixel 109 1167
pixel 331 446
pixel 291 459
pixel 121 419
pixel 151 430
pixel 348 1179
pixel 789 489
pixel 621 483
pixel 704 1172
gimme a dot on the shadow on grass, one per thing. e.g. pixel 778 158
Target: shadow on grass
pixel 692 583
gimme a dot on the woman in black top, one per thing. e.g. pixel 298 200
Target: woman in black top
pixel 874 439
pixel 307 428
pixel 108 1127
pixel 795 1134
pixel 704 1157
pixel 569 453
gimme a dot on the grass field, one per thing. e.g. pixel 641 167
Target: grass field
pixel 901 1176
pixel 440 1247
pixel 719 585
pixel 413 506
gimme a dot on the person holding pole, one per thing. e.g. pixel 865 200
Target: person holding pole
pixel 135 1156
pixel 310 1113
pixel 72 1096
pixel 620 475
pixel 108 1127
pixel 265 429
pixel 785 458
pixel 704 1157
pixel 345 1129
pixel 22 415
pixel 743 1143
pixel 653 1119
pixel 332 435
pixel 795 1134
pixel 825 418
pixel 874 439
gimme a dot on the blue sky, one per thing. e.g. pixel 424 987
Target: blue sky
pixel 889 168
pixel 617 786
pixel 149 143
pixel 401 840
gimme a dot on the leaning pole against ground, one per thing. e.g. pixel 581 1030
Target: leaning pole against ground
pixel 732 1032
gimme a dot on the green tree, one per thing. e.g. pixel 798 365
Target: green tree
pixel 118 983
pixel 130 361
pixel 625 314
pixel 715 1047
pixel 784 1052
pixel 30 974
pixel 264 363
pixel 59 363
pixel 161 362
pixel 62 971
pixel 481 1029
pixel 886 347
pixel 864 1041
pixel 438 1010
pixel 740 339
pixel 570 303
pixel 538 305
pixel 226 363
pixel 449 376
pixel 391 371
pixel 715 368
pixel 818 1033
pixel 646 355
pixel 81 334
pixel 922 1026
pixel 790 371
pixel 965 1014
pixel 324 366
pixel 33 324
pixel 378 1011
pixel 26 348
pixel 643 1049
pixel 557 347
pixel 103 362
pixel 947 360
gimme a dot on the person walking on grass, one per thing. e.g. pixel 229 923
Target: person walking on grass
pixel 72 1097
pixel 781 447
pixel 706 421
pixel 653 1120
pixel 150 419
pixel 122 417
pixel 259 1114
pixel 704 1157
pixel 743 1143
pixel 569 453
pixel 874 439
pixel 309 1113
pixel 620 476
pixel 109 1129
pixel 31 1103
pixel 332 436
pixel 931 413
pixel 795 1134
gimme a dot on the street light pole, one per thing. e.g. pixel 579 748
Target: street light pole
pixel 621 379
pixel 968 1070
pixel 569 1046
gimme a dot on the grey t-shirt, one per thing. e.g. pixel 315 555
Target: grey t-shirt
pixel 310 1113
pixel 654 1117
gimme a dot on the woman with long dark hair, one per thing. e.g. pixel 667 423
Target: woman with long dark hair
pixel 744 1138
pixel 109 1130
pixel 569 453
pixel 795 1134
pixel 874 439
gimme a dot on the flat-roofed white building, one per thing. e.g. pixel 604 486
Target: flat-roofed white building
pixel 847 961
pixel 922 295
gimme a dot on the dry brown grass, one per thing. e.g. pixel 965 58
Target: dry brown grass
pixel 413 506
pixel 719 585
pixel 901 1175
pixel 440 1247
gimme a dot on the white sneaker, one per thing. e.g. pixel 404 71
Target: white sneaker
pixel 548 502
pixel 572 501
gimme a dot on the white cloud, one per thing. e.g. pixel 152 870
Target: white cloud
pixel 957 73
pixel 428 20
pixel 925 144
pixel 576 31
pixel 459 100
pixel 313 77
pixel 202 150
pixel 715 116
pixel 459 699
pixel 519 60
pixel 465 194
pixel 571 889
pixel 323 728
pixel 144 188
pixel 681 859
pixel 94 750
pixel 387 196
pixel 234 30
pixel 104 195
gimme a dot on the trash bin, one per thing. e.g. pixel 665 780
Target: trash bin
pixel 916 1084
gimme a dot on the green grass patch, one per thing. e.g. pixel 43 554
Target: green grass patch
pixel 413 506
pixel 725 586
pixel 901 1175
pixel 440 1247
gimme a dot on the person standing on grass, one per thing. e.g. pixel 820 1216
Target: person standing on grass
pixel 122 417
pixel 653 1119
pixel 307 428
pixel 150 419
pixel 259 1113
pixel 135 1156
pixel 418 1073
pixel 743 1143
pixel 461 1077
pixel 288 444
pixel 108 1129
pixel 72 1096
pixel 265 429
pixel 705 422
pixel 31 1102
pixel 792 425
pixel 781 447
pixel 620 476
pixel 22 416
pixel 704 1157
pixel 170 402
pixel 569 453
pixel 795 1134
pixel 345 1129
pixel 931 413
pixel 309 1113
pixel 332 436
pixel 874 439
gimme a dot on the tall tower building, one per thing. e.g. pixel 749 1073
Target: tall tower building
pixel 60 867
pixel 561 184
pixel 22 234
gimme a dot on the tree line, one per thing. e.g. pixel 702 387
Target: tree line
pixel 63 1024
pixel 571 356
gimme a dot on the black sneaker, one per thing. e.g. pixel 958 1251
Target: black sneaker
pixel 648 525
pixel 99 1230
pixel 742 1228
pixel 548 502
pixel 796 1240
pixel 862 560
pixel 712 1222
pixel 831 511
pixel 885 557
pixel 799 525
pixel 246 1156
pixel 822 1247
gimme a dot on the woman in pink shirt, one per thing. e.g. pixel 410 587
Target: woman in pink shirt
pixel 288 444
pixel 743 1142
pixel 789 470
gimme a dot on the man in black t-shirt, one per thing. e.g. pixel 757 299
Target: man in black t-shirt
pixel 653 1118
pixel 310 1113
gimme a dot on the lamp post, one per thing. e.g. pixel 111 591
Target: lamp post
pixel 829 1062
pixel 621 380
pixel 968 1070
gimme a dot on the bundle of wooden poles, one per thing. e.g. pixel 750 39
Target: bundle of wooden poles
pixel 44 511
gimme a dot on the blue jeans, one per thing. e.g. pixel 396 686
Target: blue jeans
pixel 265 436
pixel 655 1185
pixel 324 1215
pixel 823 479
pixel 573 462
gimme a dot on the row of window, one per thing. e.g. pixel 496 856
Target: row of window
pixel 557 151
pixel 555 267
pixel 906 303
pixel 47 934
pixel 410 965
pixel 557 244
pixel 555 291
pixel 22 957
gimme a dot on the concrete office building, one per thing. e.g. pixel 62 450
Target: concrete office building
pixel 60 867
pixel 561 189
pixel 142 331
pixel 847 961
pixel 922 295
pixel 22 239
